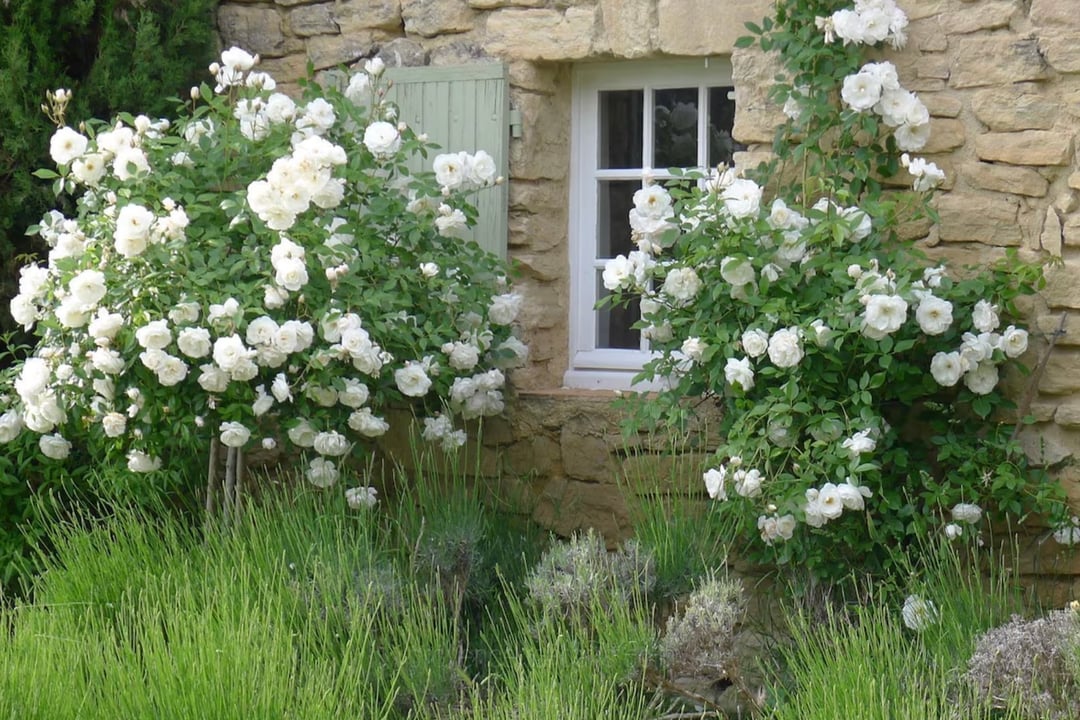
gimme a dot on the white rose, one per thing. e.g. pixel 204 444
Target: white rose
pixel 114 424
pixel 291 274
pixel 953 531
pixel 852 496
pixel 367 423
pixel 429 269
pixel 234 434
pixel 748 482
pixel 694 348
pixel 737 270
pixel 884 314
pixel 1014 341
pixel 482 170
pixel 194 342
pixel 331 443
pixel 918 614
pixel 739 372
pixel 382 138
pixel 107 361
pixel 230 352
pixel 617 272
pixel 302 434
pixel 213 379
pixel 141 462
pixel 859 443
pixel 785 347
pixel 985 317
pixel 154 335
pixel 755 342
pixel 355 393
pixel 66 145
pixel 450 169
pixel 462 356
pixel 742 198
pixel 982 379
pixel 504 308
pixel 132 232
pixel 714 483
pixel 105 325
pixel 412 380
pixel 88 287
pixel 967 512
pixel 280 388
pixel 946 368
pixel 171 371
pixel 830 503
pixel 934 315
pixel 682 284
pixel 322 473
pixel 822 333
pixel 54 446
pixel 11 424
pixel 861 91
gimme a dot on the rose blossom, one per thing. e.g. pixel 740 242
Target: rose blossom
pixel 785 347
pixel 1014 341
pixel 934 315
pixel 322 472
pixel 412 380
pixel 714 482
pixel 359 498
pixel 946 368
pixel 966 512
pixel 755 342
pixel 382 138
pixel 739 372
pixel 985 316
pixel 234 434
pixel 54 446
pixel 982 379
pixel 682 284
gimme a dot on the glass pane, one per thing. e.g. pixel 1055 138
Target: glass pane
pixel 675 132
pixel 613 324
pixel 621 128
pixel 615 199
pixel 721 120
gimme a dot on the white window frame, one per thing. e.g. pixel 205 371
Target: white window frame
pixel 589 366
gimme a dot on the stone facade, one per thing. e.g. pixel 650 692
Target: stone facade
pixel 1001 78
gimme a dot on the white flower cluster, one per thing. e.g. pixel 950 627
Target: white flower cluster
pixel 977 359
pixel 870 22
pixel 148 317
pixel 962 514
pixel 927 174
pixel 876 87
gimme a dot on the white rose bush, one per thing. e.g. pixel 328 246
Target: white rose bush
pixel 861 382
pixel 258 265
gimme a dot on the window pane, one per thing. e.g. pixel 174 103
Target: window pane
pixel 615 199
pixel 621 128
pixel 675 132
pixel 721 121
pixel 613 324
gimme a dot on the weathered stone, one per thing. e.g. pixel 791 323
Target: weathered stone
pixel 1023 107
pixel 537 455
pixel 354 15
pixel 1062 290
pixel 541 34
pixel 989 219
pixel 536 223
pixel 330 50
pixel 920 9
pixel 256 29
pixel 1062 51
pixel 537 77
pixel 945 134
pixel 1051 236
pixel 628 26
pixel 542 151
pixel 927 35
pixel 1067 414
pixel 1042 411
pixel 756 115
pixel 665 472
pixel 995 60
pixel 542 265
pixel 286 70
pixel 1062 373
pixel 403 52
pixel 1006 179
pixel 446 51
pixel 1048 445
pixel 1055 12
pixel 942 105
pixel 566 507
pixel 1050 324
pixel 496 4
pixel 1074 181
pixel 988 16
pixel 586 457
pixel 705 27
pixel 1028 147
pixel 427 18
pixel 1070 231
pixel 308 20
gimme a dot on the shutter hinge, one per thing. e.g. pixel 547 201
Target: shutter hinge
pixel 515 123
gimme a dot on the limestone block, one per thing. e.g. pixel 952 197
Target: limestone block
pixel 1055 12
pixel 1062 289
pixel 1027 147
pixel 543 151
pixel 996 60
pixel 1049 324
pixel 331 50
pixel 756 116
pixel 537 456
pixel 446 51
pixel 628 27
pixel 1062 374
pixel 945 134
pixel 705 27
pixel 1051 236
pixel 286 70
pixel 1067 414
pixel 1023 107
pixel 941 104
pixel 255 29
pixel 542 265
pixel 437 17
pixel 541 34
pixel 1062 50
pixel 1070 231
pixel 919 9
pixel 403 52
pixel 988 16
pixel 308 20
pixel 496 4
pixel 927 35
pixel 354 15
pixel 1048 445
pixel 566 506
pixel 1006 179
pixel 586 457
pixel 542 78
pixel 985 218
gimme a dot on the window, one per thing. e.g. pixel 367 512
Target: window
pixel 631 119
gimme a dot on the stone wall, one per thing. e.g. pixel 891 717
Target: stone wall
pixel 1001 78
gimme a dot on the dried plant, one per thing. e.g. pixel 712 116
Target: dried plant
pixel 1024 666
pixel 701 641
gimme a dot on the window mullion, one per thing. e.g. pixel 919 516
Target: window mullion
pixel 703 127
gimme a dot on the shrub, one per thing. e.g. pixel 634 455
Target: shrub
pixel 700 641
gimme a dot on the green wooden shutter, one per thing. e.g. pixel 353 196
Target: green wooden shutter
pixel 462 108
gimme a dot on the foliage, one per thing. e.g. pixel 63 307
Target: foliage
pixel 860 382
pixel 115 54
pixel 257 255
pixel 700 640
